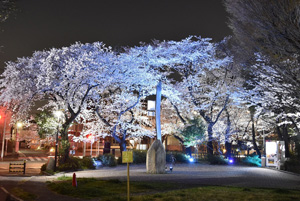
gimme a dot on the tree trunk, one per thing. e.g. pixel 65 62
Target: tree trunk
pixel 279 133
pixel 122 146
pixel 228 149
pixel 285 136
pixel 254 141
pixel 227 135
pixel 65 142
pixel 209 147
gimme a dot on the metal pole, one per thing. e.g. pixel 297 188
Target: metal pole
pixel 84 147
pixel 56 144
pixel 128 189
pixel 157 110
pixel 6 147
pixel 16 139
pixel 91 148
pixel 4 128
pixel 264 143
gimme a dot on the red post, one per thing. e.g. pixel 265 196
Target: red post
pixel 74 181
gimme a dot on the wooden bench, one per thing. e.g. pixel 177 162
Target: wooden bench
pixel 17 167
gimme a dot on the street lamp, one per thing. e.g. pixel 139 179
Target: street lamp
pixel 19 125
pixel 58 114
pixel 3 137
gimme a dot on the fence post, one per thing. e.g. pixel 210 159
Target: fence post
pixel 24 166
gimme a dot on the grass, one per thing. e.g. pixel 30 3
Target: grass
pixel 148 191
pixel 91 188
pixel 20 193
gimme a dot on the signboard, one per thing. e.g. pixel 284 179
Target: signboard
pixel 151 105
pixel 127 157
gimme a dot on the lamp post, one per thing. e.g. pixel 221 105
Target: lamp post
pixel 3 137
pixel 19 125
pixel 57 114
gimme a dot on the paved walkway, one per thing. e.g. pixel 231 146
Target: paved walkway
pixel 185 175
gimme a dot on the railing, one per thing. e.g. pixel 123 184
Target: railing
pixel 199 156
pixel 17 167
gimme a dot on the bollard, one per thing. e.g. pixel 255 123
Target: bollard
pixel 74 181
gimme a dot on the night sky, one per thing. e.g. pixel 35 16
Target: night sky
pixel 42 24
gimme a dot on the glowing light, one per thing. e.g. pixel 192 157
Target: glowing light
pixel 150 105
pixel 224 150
pixel 52 149
pixel 271 148
pixel 191 159
pixel 230 161
pixel 58 113
pixel 19 124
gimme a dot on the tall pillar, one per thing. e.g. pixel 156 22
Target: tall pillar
pixel 157 111
pixel 156 155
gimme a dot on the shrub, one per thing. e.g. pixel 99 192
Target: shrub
pixel 292 165
pixel 179 157
pixel 86 163
pixel 108 160
pixel 71 164
pixel 44 166
pixel 139 156
pixel 119 160
pixel 216 159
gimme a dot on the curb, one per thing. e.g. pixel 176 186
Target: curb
pixel 284 171
pixel 11 195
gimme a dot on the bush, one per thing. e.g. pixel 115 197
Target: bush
pixel 86 163
pixel 139 156
pixel 74 163
pixel 108 160
pixel 119 160
pixel 44 166
pixel 216 159
pixel 292 165
pixel 71 164
pixel 179 157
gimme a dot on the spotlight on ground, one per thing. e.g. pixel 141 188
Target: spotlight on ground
pixel 191 159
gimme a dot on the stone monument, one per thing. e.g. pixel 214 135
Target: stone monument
pixel 156 155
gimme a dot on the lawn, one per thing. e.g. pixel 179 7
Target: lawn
pixel 150 191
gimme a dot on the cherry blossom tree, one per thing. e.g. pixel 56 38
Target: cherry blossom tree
pixel 64 77
pixel 277 97
pixel 203 84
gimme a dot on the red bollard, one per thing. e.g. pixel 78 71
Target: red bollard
pixel 74 181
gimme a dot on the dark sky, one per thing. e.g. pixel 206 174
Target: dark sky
pixel 42 24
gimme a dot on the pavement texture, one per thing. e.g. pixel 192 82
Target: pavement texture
pixel 185 175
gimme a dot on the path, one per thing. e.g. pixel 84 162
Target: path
pixel 185 175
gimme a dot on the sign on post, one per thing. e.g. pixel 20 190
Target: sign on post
pixel 127 157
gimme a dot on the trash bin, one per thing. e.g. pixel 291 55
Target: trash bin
pixel 263 161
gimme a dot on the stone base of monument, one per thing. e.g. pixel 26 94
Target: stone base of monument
pixel 156 158
pixel 50 164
